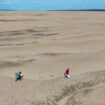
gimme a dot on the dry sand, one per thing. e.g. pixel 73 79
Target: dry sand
pixel 42 45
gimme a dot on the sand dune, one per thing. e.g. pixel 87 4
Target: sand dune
pixel 42 45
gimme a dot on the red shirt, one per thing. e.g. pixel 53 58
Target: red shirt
pixel 67 71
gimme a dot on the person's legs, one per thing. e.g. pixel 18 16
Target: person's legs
pixel 21 77
pixel 17 78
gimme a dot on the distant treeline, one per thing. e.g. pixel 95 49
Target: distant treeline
pixel 80 10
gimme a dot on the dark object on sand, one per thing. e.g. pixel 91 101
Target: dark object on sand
pixel 66 74
pixel 19 76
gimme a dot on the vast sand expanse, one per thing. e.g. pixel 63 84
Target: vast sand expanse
pixel 42 45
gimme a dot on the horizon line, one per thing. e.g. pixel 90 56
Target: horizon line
pixel 56 10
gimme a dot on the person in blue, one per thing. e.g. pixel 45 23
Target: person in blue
pixel 18 76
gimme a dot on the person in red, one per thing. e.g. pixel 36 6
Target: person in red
pixel 66 74
pixel 67 71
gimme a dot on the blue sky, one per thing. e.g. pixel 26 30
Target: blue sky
pixel 51 4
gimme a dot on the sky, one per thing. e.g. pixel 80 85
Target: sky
pixel 51 4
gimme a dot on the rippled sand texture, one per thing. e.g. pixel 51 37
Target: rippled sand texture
pixel 42 45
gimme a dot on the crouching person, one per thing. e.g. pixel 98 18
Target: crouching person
pixel 66 74
pixel 19 76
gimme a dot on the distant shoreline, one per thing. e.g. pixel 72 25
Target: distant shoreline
pixel 57 10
